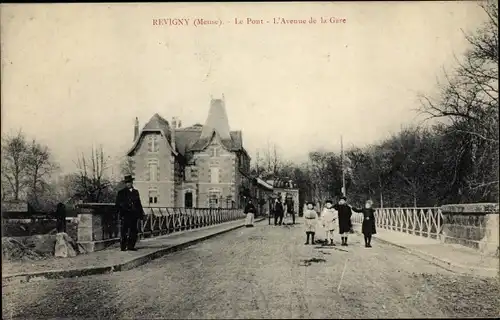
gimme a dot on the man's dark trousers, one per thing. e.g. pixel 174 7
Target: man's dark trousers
pixel 129 233
pixel 293 217
pixel 276 217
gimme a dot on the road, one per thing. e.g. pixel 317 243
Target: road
pixel 262 272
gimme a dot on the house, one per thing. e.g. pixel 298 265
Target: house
pixel 197 166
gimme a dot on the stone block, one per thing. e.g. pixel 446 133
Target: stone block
pixel 65 246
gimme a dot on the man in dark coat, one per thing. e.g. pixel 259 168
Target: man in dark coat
pixel 61 217
pixel 128 205
pixel 271 209
pixel 278 212
pixel 289 208
pixel 345 214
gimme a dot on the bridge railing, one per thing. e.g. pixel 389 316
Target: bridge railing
pixel 425 221
pixel 99 223
pixel 163 220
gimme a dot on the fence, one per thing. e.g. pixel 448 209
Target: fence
pixel 99 223
pixel 425 221
pixel 162 220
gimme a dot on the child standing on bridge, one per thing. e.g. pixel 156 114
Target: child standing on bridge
pixel 329 216
pixel 368 226
pixel 310 222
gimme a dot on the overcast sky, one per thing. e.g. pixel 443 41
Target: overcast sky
pixel 77 75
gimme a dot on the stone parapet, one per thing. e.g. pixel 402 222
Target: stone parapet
pixel 473 225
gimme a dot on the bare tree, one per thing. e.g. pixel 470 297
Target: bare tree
pixel 15 154
pixel 272 160
pixel 127 166
pixel 90 183
pixel 470 93
pixel 469 100
pixel 39 168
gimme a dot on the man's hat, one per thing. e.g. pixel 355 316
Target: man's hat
pixel 128 178
pixel 343 198
pixel 329 201
pixel 309 202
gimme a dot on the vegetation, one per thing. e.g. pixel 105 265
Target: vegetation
pixel 451 158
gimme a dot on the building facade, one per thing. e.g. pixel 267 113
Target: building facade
pixel 199 166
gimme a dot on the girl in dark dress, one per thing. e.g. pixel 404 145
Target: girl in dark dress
pixel 368 226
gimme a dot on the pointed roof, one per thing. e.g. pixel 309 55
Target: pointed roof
pixel 156 124
pixel 216 121
pixel 196 137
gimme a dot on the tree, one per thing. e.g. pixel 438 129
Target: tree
pixel 14 165
pixel 39 168
pixel 273 160
pixel 90 183
pixel 469 102
pixel 326 174
pixel 127 166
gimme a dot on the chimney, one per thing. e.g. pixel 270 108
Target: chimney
pixel 136 128
pixel 172 134
pixel 180 124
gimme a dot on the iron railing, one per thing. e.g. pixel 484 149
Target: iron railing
pixel 425 221
pixel 157 220
pixel 164 220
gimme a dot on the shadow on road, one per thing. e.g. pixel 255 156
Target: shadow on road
pixel 308 262
pixel 331 248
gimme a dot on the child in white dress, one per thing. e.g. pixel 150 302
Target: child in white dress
pixel 311 218
pixel 329 216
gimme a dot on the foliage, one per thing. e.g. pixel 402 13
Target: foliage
pixel 452 161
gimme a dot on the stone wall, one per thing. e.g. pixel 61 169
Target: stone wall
pixel 472 225
pixel 98 226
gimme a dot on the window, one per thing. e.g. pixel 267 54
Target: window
pixel 153 143
pixel 154 172
pixel 188 199
pixel 213 200
pixel 214 175
pixel 153 196
pixel 229 202
pixel 215 152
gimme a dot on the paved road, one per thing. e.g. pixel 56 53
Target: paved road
pixel 262 272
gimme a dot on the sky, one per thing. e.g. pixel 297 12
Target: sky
pixel 77 75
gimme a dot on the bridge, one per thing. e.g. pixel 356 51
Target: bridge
pixel 425 262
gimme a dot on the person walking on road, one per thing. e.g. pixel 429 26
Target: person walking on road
pixel 311 220
pixel 278 212
pixel 250 211
pixel 368 225
pixel 345 214
pixel 271 209
pixel 128 204
pixel 329 216
pixel 290 208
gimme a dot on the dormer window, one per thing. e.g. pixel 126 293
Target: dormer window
pixel 215 152
pixel 153 145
